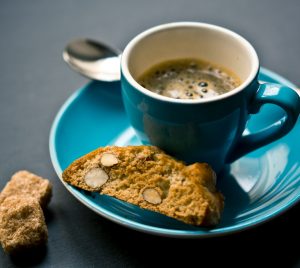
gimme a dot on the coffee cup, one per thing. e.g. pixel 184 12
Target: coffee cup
pixel 212 129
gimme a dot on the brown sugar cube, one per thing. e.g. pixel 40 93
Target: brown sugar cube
pixel 28 184
pixel 22 224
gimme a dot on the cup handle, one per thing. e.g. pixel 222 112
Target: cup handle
pixel 285 97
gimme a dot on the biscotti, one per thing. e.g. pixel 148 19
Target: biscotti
pixel 22 224
pixel 149 178
pixel 26 183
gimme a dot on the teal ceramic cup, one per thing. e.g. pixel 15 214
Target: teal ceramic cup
pixel 208 130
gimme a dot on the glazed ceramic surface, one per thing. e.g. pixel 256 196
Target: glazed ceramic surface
pixel 257 187
pixel 209 129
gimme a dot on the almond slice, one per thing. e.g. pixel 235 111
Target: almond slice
pixel 108 159
pixel 152 196
pixel 95 177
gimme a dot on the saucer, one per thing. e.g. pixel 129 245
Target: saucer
pixel 256 187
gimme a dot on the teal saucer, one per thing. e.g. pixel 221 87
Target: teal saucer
pixel 257 187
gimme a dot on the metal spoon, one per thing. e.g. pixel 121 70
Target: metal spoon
pixel 92 59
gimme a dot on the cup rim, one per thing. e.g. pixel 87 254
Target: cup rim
pixel 128 50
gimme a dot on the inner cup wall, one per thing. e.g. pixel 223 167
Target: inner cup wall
pixel 215 45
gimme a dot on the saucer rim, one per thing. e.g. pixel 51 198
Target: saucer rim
pixel 146 228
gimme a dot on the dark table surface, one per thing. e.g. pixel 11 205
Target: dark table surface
pixel 35 82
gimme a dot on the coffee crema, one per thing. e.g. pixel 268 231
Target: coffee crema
pixel 188 79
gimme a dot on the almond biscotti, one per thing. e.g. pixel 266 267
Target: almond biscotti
pixel 147 177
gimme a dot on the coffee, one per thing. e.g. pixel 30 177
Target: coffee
pixel 188 79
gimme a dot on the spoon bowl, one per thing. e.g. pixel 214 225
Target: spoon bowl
pixel 93 59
